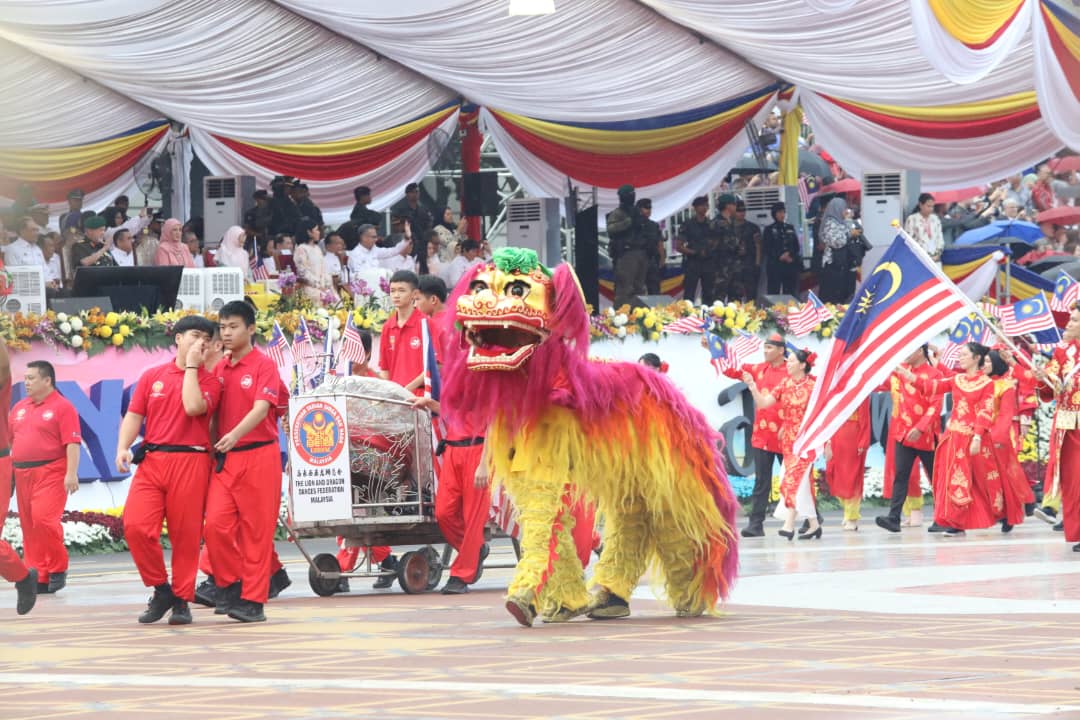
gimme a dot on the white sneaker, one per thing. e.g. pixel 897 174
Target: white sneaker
pixel 850 525
pixel 916 519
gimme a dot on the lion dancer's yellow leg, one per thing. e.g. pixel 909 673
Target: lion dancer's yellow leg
pixel 549 575
pixel 628 545
pixel 682 566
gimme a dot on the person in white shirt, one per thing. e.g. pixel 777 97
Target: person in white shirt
pixel 40 215
pixel 925 227
pixel 470 256
pixel 335 251
pixel 54 273
pixel 195 247
pixel 24 249
pixel 365 256
pixel 123 250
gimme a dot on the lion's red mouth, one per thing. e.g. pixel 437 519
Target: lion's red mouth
pixel 500 345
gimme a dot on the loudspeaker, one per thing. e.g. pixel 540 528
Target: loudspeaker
pixel 75 305
pixel 771 300
pixel 587 255
pixel 652 301
pixel 481 191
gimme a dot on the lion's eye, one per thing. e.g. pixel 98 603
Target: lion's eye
pixel 477 286
pixel 517 289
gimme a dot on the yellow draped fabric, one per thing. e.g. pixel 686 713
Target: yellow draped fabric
pixel 45 164
pixel 789 146
pixel 973 22
pixel 357 144
pixel 1065 35
pixel 963 111
pixel 622 142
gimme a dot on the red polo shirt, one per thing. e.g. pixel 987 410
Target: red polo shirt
pixel 401 350
pixel 5 407
pixel 42 431
pixel 253 377
pixel 158 397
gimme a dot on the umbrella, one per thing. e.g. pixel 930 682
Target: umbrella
pixel 748 165
pixel 947 197
pixel 1001 230
pixel 1050 264
pixel 810 163
pixel 1069 163
pixel 1063 215
pixel 848 185
pixel 1072 268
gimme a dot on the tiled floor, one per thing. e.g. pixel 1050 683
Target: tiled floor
pixel 857 625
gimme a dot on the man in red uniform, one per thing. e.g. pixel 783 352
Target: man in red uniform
pixel 11 565
pixel 1061 381
pixel 913 429
pixel 45 446
pixel 245 489
pixel 765 441
pixel 177 400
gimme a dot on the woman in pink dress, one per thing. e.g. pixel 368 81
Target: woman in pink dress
pixel 171 251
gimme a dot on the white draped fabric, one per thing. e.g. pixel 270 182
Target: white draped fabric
pixel 955 60
pixel 831 6
pixel 943 163
pixel 668 197
pixel 335 198
pixel 1058 102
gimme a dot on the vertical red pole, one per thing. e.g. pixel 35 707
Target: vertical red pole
pixel 471 141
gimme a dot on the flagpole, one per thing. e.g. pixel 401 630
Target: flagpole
pixel 918 249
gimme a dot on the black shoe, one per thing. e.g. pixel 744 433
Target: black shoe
pixel 278 582
pixel 484 552
pixel 389 565
pixel 247 611
pixel 789 534
pixel 816 535
pixel 1047 514
pixel 887 523
pixel 342 586
pixel 207 593
pixel 1029 509
pixel 609 606
pixel 953 532
pixel 805 526
pixel 1076 547
pixel 935 528
pixel 42 588
pixel 160 603
pixel 181 613
pixel 28 590
pixel 226 598
pixel 1006 527
pixel 455 586
pixel 57 582
pixel 1060 527
pixel 753 531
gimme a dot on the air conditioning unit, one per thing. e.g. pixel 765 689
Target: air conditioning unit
pixel 225 200
pixel 192 294
pixel 759 202
pixel 222 285
pixel 534 223
pixel 886 196
pixel 27 290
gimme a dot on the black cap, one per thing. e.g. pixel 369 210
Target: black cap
pixel 700 200
pixel 75 194
pixel 260 194
pixel 412 187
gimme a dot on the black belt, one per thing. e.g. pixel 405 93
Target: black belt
pixel 5 452
pixel 219 457
pixel 467 442
pixel 140 454
pixel 30 464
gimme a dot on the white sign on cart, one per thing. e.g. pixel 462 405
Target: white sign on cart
pixel 319 484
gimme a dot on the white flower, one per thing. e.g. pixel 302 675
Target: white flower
pixel 337 334
pixel 611 312
pixel 620 332
pixel 334 322
pixel 61 317
pixel 65 327
pixel 76 324
pixel 76 341
pixel 620 320
pixel 322 312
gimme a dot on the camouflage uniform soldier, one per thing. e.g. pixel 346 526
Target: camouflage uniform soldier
pixel 729 254
pixel 627 248
pixel 749 234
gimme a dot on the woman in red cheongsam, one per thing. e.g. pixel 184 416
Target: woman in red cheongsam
pixel 793 395
pixel 1015 490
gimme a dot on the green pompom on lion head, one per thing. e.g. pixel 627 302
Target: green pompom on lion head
pixel 522 260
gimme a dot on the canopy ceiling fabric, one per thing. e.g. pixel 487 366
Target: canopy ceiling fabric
pixel 265 85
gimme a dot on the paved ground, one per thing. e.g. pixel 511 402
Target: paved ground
pixel 858 625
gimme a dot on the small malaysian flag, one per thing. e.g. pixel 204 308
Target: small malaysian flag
pixel 689 325
pixel 808 190
pixel 1066 293
pixel 304 352
pixel 743 345
pixel 809 317
pixel 1027 316
pixel 719 351
pixel 279 351
pixel 258 269
pixel 352 346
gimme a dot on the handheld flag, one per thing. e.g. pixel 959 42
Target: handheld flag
pixel 689 325
pixel 1027 316
pixel 1066 293
pixel 718 351
pixel 279 351
pixel 352 346
pixel 258 269
pixel 809 317
pixel 903 302
pixel 432 382
pixel 303 352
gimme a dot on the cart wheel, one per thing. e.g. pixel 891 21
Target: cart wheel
pixel 323 563
pixel 414 572
pixel 436 572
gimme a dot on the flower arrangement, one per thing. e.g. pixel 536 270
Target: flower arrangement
pixel 84 532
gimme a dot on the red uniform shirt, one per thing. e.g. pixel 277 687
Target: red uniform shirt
pixel 158 397
pixel 254 377
pixel 42 431
pixel 915 410
pixel 401 350
pixel 5 406
pixel 766 422
pixel 1026 388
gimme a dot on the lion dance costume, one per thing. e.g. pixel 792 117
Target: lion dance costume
pixel 560 426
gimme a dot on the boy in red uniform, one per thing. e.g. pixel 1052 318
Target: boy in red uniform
pixel 45 446
pixel 11 565
pixel 245 489
pixel 177 400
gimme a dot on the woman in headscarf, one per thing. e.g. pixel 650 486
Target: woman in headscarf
pixel 171 251
pixel 231 253
pixel 310 262
pixel 450 234
pixel 837 281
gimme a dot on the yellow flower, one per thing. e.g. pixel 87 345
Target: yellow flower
pixel 117 339
pixel 654 336
pixel 729 324
pixel 111 319
pixel 125 330
pixel 826 332
pixel 650 322
pixel 638 313
pixel 104 331
pixel 729 312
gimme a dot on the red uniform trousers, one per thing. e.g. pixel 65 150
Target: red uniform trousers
pixel 347 557
pixel 208 569
pixel 11 566
pixel 169 486
pixel 41 497
pixel 1069 454
pixel 241 514
pixel 462 509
